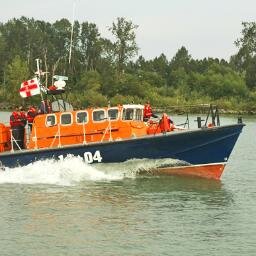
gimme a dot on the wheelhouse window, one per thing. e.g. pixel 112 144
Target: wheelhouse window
pixel 81 117
pixel 66 119
pixel 139 114
pixel 50 120
pixel 128 114
pixel 113 114
pixel 98 115
pixel 133 114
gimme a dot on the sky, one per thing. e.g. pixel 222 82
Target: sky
pixel 207 28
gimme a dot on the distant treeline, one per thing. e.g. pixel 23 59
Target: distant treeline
pixel 101 70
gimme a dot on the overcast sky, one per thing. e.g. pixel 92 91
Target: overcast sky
pixel 207 28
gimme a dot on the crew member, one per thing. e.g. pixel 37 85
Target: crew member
pixel 23 117
pixel 148 112
pixel 31 114
pixel 18 122
pixel 44 107
pixel 14 118
pixel 18 118
pixel 166 124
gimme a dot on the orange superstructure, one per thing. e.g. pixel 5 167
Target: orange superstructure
pixel 5 138
pixel 61 128
pixel 87 126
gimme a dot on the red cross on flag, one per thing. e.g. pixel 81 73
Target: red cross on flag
pixel 29 88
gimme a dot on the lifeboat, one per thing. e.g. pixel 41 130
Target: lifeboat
pixel 119 133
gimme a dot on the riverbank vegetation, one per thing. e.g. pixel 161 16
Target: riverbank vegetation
pixel 101 70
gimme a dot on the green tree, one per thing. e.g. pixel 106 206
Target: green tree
pixel 17 72
pixel 3 53
pixel 247 42
pixel 250 75
pixel 90 45
pixel 179 67
pixel 90 80
pixel 125 47
pixel 181 59
pixel 245 58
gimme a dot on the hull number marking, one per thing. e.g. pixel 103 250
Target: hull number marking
pixel 90 157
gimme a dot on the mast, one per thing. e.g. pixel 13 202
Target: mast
pixel 39 80
pixel 39 77
pixel 72 31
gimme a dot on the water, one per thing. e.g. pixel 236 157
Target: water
pixel 68 208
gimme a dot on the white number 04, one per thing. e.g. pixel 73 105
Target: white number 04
pixel 90 158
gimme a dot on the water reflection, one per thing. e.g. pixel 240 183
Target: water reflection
pixel 209 192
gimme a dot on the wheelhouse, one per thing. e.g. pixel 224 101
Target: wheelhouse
pixel 86 126
pixel 132 112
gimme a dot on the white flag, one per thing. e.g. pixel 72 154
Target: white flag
pixel 29 88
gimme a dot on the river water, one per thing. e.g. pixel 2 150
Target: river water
pixel 69 208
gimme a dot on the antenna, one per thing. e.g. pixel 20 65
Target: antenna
pixel 72 31
pixel 38 67
pixel 39 77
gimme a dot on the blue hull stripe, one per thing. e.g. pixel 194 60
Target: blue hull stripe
pixel 196 147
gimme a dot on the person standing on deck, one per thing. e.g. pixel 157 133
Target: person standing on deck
pixel 148 112
pixel 31 114
pixel 18 122
pixel 18 117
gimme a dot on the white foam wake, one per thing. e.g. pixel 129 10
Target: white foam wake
pixel 66 172
pixel 72 170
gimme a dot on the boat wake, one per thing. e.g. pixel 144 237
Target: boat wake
pixel 72 170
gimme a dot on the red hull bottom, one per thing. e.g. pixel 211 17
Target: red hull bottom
pixel 209 171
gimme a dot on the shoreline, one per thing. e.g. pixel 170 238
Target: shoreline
pixel 179 110
pixel 182 112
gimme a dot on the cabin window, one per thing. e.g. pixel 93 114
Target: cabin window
pixel 138 114
pixel 66 119
pixel 98 115
pixel 113 114
pixel 81 117
pixel 128 114
pixel 50 120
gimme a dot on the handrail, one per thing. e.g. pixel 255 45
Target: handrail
pixel 105 132
pixel 59 145
pixel 55 136
pixel 84 141
pixel 13 140
pixel 213 112
pixel 36 147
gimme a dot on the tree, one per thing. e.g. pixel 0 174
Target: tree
pixel 3 54
pixel 125 47
pixel 247 42
pixel 17 72
pixel 181 59
pixel 245 58
pixel 90 80
pixel 250 75
pixel 90 45
pixel 179 67
pixel 160 65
